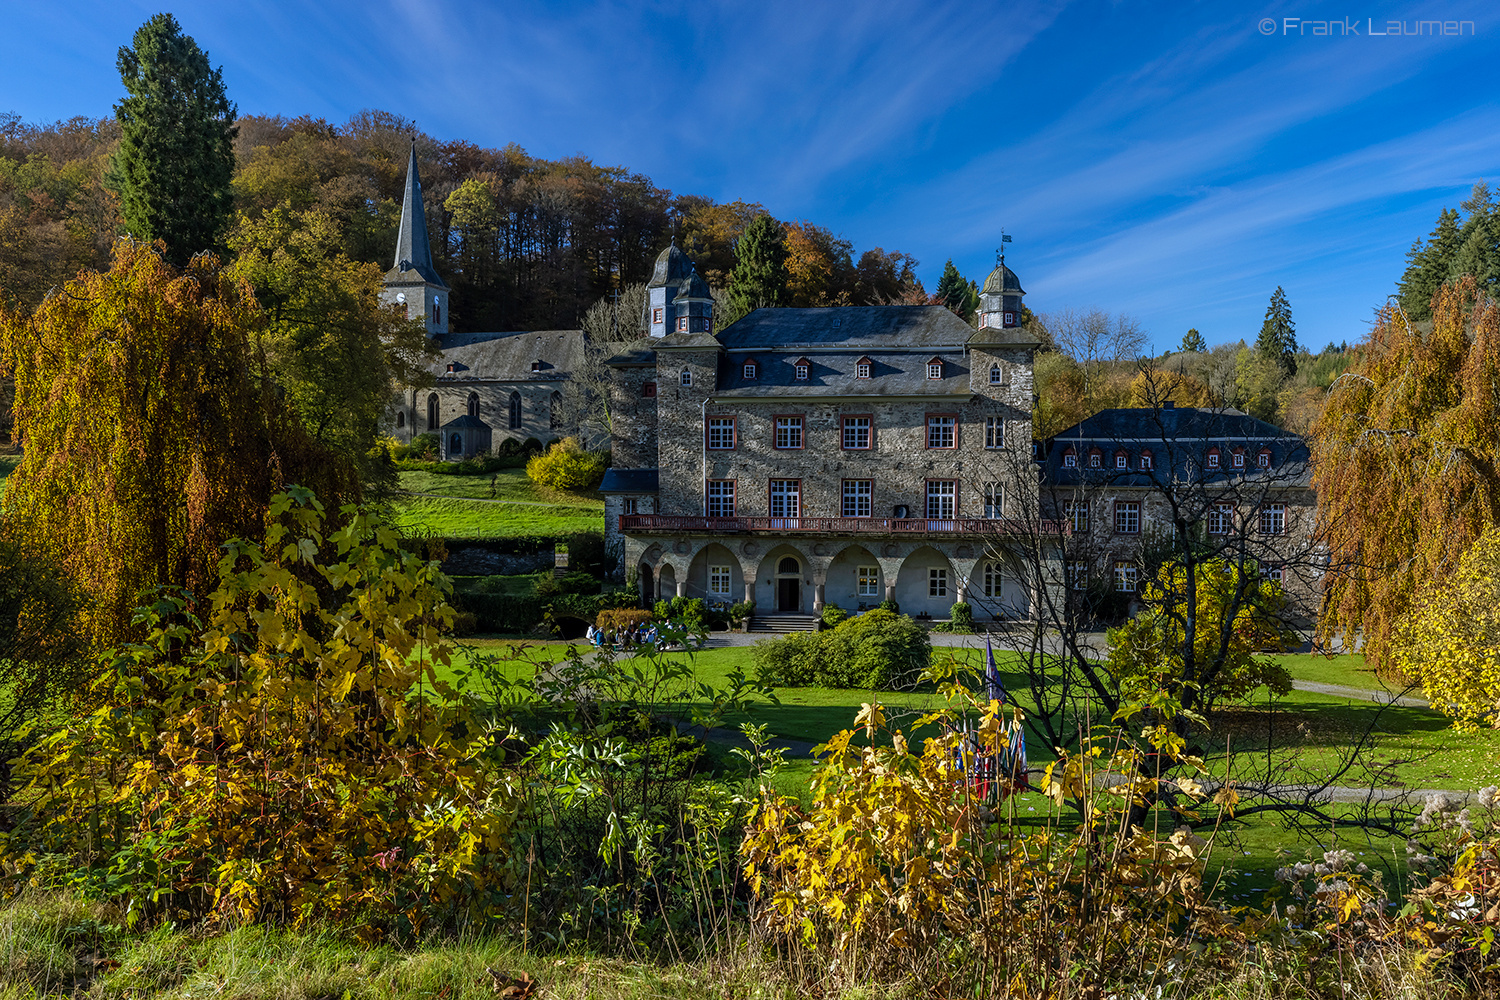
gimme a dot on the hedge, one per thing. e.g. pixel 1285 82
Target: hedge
pixel 877 650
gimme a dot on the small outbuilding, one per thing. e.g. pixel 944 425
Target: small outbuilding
pixel 464 437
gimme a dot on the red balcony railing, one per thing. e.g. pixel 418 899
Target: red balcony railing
pixel 841 525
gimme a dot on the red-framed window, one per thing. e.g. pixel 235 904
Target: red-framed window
pixel 1146 461
pixel 1096 458
pixel 784 497
pixel 1237 459
pixel 1070 459
pixel 802 368
pixel 942 430
pixel 1273 519
pixel 1213 458
pixel 857 432
pixel 720 433
pixel 942 499
pixel 994 432
pixel 719 497
pixel 1122 460
pixel 648 391
pixel 934 368
pixel 788 433
pixel 1263 460
pixel 857 496
pixel 862 368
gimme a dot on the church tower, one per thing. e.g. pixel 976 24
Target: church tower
pixel 1000 299
pixel 413 282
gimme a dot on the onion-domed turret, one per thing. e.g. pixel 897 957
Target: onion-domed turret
pixel 1000 299
pixel 678 300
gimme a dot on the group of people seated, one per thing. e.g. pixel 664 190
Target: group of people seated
pixel 627 638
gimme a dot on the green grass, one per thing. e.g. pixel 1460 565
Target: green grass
pixel 508 484
pixel 458 518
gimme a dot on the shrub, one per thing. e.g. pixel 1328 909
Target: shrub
pixel 423 448
pixel 960 619
pixel 620 619
pixel 739 613
pixel 890 606
pixel 833 614
pixel 790 661
pixel 315 662
pixel 691 611
pixel 875 650
pixel 567 466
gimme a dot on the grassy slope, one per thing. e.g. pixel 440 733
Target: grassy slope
pixel 463 510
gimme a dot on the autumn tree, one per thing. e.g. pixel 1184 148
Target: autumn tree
pixel 1406 454
pixel 1449 639
pixel 888 278
pixel 175 163
pixel 1278 334
pixel 153 431
pixel 711 231
pixel 330 345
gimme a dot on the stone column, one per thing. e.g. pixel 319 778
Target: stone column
pixel 963 594
pixel 750 590
pixel 890 591
pixel 681 588
pixel 818 598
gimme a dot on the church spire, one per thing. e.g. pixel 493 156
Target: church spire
pixel 413 251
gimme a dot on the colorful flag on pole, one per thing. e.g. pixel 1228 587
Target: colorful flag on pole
pixel 1013 761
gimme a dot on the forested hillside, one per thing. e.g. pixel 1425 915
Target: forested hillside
pixel 525 243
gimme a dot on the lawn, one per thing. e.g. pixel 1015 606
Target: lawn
pixel 466 506
pixel 457 518
pixel 507 484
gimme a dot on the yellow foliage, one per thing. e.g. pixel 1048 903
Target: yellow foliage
pixel 292 756
pixel 1450 639
pixel 567 465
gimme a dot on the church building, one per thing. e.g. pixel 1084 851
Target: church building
pixel 488 386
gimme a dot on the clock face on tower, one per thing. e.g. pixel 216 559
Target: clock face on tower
pixel 401 297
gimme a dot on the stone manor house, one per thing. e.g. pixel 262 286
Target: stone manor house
pixel 804 457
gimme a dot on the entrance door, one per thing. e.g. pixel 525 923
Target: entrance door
pixel 788 594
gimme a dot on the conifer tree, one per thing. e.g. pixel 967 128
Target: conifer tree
pixel 175 161
pixel 1193 343
pixel 959 294
pixel 1428 265
pixel 760 274
pixel 1278 335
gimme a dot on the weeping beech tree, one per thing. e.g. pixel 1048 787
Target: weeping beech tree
pixel 152 434
pixel 1406 460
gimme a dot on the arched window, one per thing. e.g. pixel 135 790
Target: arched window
pixel 994 579
pixel 515 410
pixel 400 418
pixel 432 412
pixel 473 404
pixel 997 377
pixel 788 566
pixel 437 313
pixel 554 414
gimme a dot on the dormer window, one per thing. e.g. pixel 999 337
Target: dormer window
pixel 862 368
pixel 935 368
pixel 1263 460
pixel 1213 458
pixel 1096 459
pixel 1070 459
pixel 803 369
pixel 1122 460
pixel 750 371
pixel 685 377
pixel 997 377
pixel 1145 461
pixel 1239 458
pixel 536 366
pixel 682 324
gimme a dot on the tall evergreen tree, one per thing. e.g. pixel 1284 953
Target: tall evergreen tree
pixel 175 161
pixel 1278 335
pixel 760 273
pixel 1428 265
pixel 1192 342
pixel 953 289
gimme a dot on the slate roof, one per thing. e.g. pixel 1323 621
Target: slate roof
pixel 832 373
pixel 674 268
pixel 857 327
pixel 1179 439
pixel 629 481
pixel 1002 280
pixel 507 357
pixel 413 250
pixel 464 422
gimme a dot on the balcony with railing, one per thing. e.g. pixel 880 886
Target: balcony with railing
pixel 906 526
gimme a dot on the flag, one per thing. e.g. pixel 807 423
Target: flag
pixel 1004 238
pixel 1012 762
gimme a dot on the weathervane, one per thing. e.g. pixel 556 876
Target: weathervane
pixel 1000 250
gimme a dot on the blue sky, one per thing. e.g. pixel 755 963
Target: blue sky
pixel 1170 161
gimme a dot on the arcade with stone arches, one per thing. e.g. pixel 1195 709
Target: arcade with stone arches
pixel 802 576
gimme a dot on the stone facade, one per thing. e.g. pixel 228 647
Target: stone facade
pixel 803 457
pixel 1128 480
